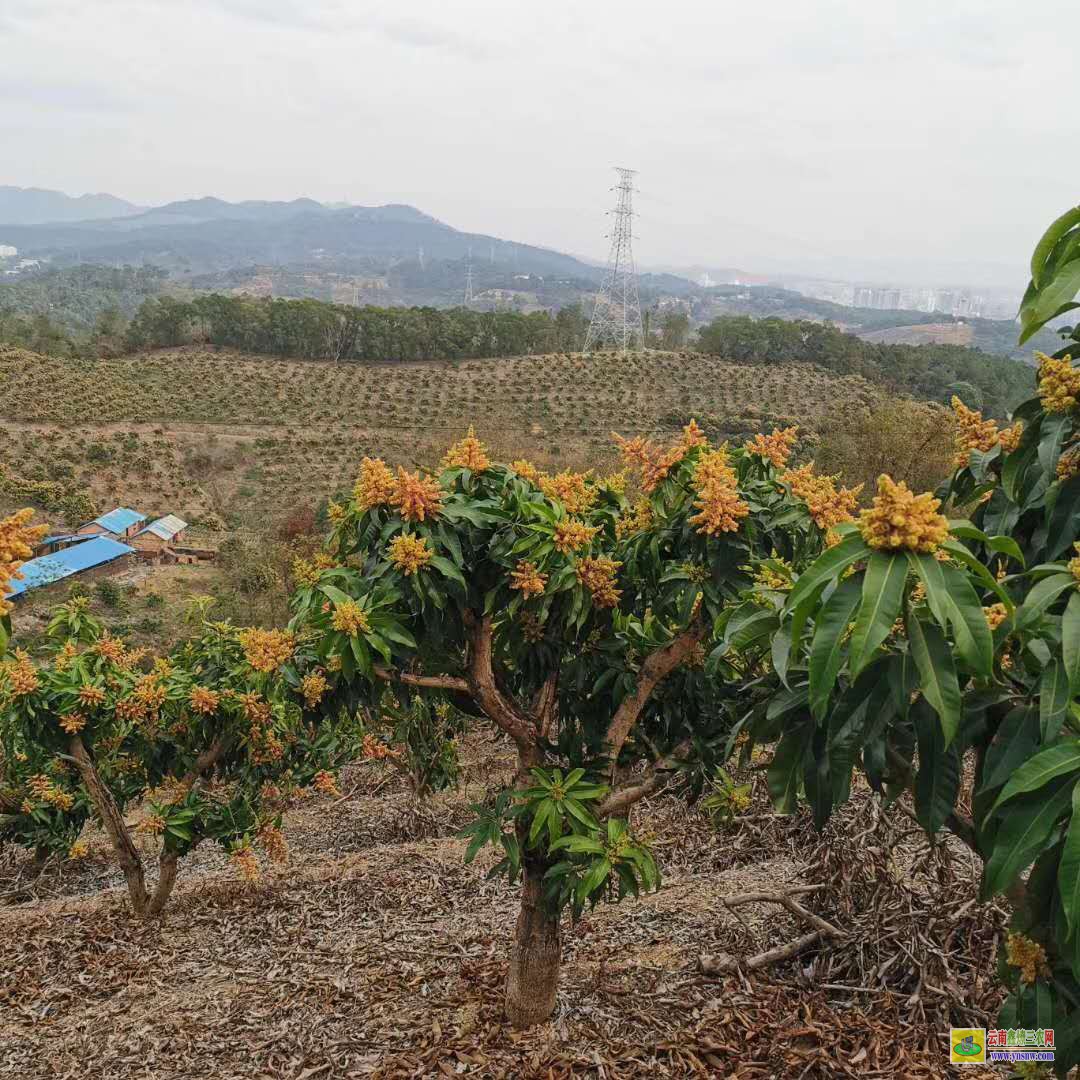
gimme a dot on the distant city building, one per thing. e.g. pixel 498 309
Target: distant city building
pixel 8 252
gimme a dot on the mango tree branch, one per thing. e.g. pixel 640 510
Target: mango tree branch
pixel 619 802
pixel 114 824
pixel 657 666
pixel 545 705
pixel 501 710
pixel 429 682
pixel 203 763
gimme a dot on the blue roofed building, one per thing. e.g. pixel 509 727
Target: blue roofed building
pixel 93 553
pixel 121 523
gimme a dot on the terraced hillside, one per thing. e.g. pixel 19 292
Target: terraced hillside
pixel 192 431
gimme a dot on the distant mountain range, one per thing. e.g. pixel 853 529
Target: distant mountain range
pixel 36 206
pixel 198 236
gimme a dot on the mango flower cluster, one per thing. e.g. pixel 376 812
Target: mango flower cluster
pixel 17 540
pixel 1059 383
pixel 975 433
pixel 900 520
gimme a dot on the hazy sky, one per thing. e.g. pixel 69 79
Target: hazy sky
pixel 922 132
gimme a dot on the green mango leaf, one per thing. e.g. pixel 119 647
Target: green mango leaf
pixel 1057 760
pixel 1063 518
pixel 1053 700
pixel 1023 834
pixel 597 875
pixel 974 639
pixel 937 673
pixel 827 650
pixel 1050 298
pixel 827 567
pixel 781 653
pixel 448 570
pixel 961 554
pixel 938 779
pixel 882 595
pixel 785 768
pixel 1055 426
pixel 1070 641
pixel 1016 740
pixel 1049 240
pixel 1042 595
pixel 1069 867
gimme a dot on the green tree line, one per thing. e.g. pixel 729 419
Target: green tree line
pixel 932 372
pixel 314 329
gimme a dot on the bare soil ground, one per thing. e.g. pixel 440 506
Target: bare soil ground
pixel 378 953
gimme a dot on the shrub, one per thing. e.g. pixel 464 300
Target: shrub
pixel 109 593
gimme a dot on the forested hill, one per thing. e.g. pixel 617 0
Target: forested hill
pixel 207 235
pixel 29 206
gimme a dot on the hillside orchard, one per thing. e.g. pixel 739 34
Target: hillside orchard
pixel 707 606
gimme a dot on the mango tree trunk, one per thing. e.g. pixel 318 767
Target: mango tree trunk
pixel 533 979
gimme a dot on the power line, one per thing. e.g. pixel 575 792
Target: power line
pixel 616 318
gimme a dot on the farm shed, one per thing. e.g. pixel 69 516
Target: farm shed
pixel 120 522
pixel 98 553
pixel 56 542
pixel 159 535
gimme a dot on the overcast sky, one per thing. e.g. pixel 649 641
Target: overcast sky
pixel 921 133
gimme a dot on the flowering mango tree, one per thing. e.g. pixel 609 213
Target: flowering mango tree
pixel 919 647
pixel 213 742
pixel 591 629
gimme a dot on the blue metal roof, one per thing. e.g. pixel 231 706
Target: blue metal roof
pixel 58 537
pixel 49 568
pixel 116 521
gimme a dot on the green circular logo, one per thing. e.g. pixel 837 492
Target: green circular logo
pixel 969 1048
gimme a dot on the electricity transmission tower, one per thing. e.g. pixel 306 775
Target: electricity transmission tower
pixel 468 281
pixel 616 318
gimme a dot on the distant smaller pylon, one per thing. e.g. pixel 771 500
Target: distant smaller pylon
pixel 469 297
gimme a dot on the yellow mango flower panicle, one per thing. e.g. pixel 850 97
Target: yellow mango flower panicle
pixel 410 553
pixel 654 462
pixel 526 470
pixel 17 540
pixel 598 576
pixel 720 507
pixel 1073 564
pixel 467 453
pixel 350 619
pixel 899 520
pixel 573 535
pixel 267 650
pixel 526 578
pixel 828 504
pixel 975 433
pixel 776 447
pixel 571 489
pixel 1059 383
pixel 375 485
pixel 417 497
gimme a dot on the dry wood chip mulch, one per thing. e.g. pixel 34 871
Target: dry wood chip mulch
pixel 373 956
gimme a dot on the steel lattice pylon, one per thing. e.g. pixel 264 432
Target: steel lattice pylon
pixel 616 318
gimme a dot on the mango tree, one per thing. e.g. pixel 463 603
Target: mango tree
pixel 919 647
pixel 212 742
pixel 589 629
